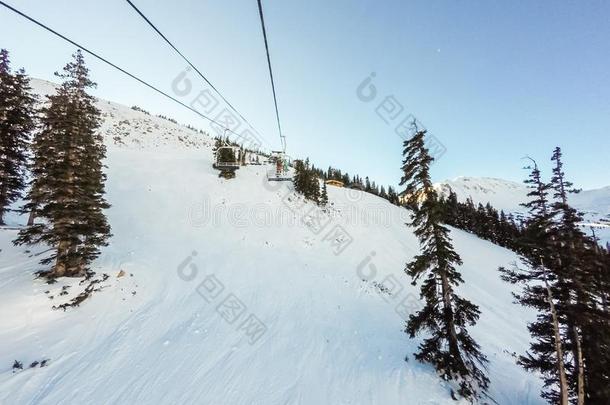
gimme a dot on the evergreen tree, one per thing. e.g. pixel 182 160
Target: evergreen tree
pixel 576 271
pixel 314 188
pixel 504 231
pixel 452 211
pixel 226 155
pixel 382 193
pixel 17 113
pixel 68 182
pixel 345 179
pixel 374 188
pixel 541 292
pixel 324 196
pixel 445 316
pixel 480 222
pixel 567 238
pixel 485 222
pixel 470 219
pixel 393 196
pixel 299 180
pixel 492 222
pixel 596 336
pixel 306 181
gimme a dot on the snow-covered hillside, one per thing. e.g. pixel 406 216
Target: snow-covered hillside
pixel 237 292
pixel 508 195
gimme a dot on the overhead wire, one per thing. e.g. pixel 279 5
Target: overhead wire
pixel 106 61
pixel 154 27
pixel 277 114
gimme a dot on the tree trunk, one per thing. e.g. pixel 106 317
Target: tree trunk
pixel 64 248
pixel 75 267
pixel 563 384
pixel 61 264
pixel 580 369
pixel 2 210
pixel 448 315
pixel 31 217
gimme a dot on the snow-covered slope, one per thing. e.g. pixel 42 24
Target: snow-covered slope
pixel 202 256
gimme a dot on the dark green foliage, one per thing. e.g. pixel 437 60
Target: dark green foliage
pixel 574 263
pixel 445 316
pixel 136 108
pixel 393 196
pixel 559 255
pixel 382 193
pixel 485 222
pixel 538 283
pixel 67 190
pixel 226 155
pixel 306 181
pixel 324 196
pixel 17 121
pixel 356 182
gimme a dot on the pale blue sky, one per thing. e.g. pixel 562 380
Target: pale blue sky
pixel 493 81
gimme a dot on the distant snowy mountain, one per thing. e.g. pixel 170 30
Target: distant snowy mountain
pixel 507 195
pixel 502 194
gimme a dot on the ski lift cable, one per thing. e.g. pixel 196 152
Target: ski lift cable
pixel 191 65
pixel 106 61
pixel 277 114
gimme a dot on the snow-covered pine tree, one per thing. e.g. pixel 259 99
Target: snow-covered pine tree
pixel 445 315
pixel 68 181
pixel 547 354
pixel 17 121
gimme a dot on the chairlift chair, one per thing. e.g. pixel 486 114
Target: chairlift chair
pixel 227 160
pixel 280 167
